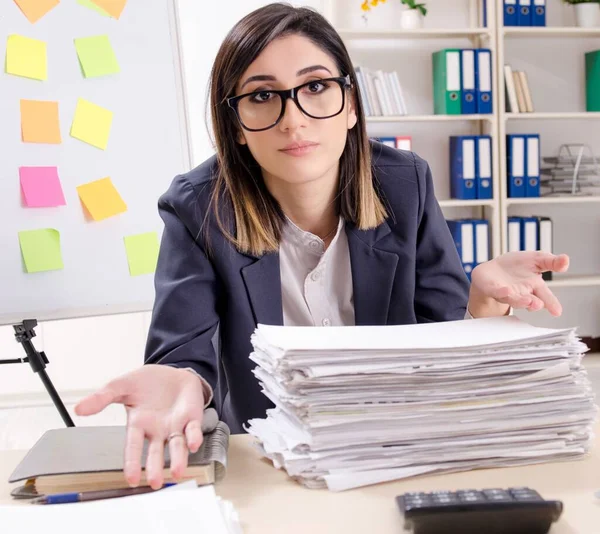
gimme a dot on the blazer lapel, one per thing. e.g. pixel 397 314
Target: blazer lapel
pixel 373 272
pixel 263 284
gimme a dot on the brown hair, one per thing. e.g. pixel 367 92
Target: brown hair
pixel 257 215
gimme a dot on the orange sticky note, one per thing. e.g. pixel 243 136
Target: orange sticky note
pixel 34 10
pixel 39 122
pixel 101 199
pixel 113 7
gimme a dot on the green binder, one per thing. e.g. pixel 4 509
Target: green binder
pixel 446 82
pixel 592 81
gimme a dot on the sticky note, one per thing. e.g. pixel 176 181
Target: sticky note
pixel 96 56
pixel 39 122
pixel 89 4
pixel 91 124
pixel 41 187
pixel 26 57
pixel 113 7
pixel 101 199
pixel 34 10
pixel 41 250
pixel 142 253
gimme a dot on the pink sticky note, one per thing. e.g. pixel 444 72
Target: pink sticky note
pixel 41 187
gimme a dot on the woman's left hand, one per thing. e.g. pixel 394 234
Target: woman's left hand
pixel 515 280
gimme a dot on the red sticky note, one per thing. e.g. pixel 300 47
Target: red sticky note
pixel 41 187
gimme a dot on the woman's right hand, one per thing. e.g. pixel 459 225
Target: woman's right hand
pixel 159 401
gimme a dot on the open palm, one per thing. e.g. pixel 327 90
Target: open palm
pixel 515 279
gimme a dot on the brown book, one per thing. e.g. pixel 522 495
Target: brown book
pixel 90 458
pixel 520 92
pixel 526 92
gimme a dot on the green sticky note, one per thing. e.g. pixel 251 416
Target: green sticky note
pixel 41 250
pixel 96 56
pixel 89 4
pixel 142 253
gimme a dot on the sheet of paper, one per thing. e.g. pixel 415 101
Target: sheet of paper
pixel 34 10
pixel 96 56
pixel 41 250
pixel 41 187
pixel 113 7
pixel 89 4
pixel 91 124
pixel 101 199
pixel 142 253
pixel 187 510
pixel 26 57
pixel 40 122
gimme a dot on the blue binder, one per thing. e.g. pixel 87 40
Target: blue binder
pixel 483 167
pixel 463 159
pixel 464 239
pixel 529 234
pixel 481 229
pixel 538 13
pixel 484 12
pixel 515 162
pixel 483 69
pixel 524 13
pixel 514 234
pixel 532 169
pixel 389 141
pixel 510 13
pixel 468 81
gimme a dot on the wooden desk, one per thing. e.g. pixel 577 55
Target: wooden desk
pixel 268 502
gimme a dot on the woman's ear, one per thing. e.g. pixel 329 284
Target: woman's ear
pixel 352 117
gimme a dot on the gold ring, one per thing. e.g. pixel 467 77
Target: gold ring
pixel 174 435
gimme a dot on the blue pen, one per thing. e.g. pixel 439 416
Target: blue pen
pixel 63 498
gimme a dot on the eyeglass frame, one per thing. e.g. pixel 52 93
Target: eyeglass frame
pixel 343 81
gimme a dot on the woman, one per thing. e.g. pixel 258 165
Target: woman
pixel 299 220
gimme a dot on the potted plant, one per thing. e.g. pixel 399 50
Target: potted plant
pixel 412 15
pixel 587 12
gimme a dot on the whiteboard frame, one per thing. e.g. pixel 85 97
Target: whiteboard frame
pixel 185 139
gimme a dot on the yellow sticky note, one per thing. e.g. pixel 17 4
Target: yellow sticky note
pixel 96 56
pixel 113 7
pixel 89 4
pixel 41 250
pixel 142 253
pixel 101 199
pixel 39 122
pixel 91 124
pixel 34 10
pixel 26 57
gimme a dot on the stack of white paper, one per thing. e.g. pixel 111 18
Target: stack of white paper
pixel 360 405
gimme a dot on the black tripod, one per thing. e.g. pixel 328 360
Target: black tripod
pixel 24 332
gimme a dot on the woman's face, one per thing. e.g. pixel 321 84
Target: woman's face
pixel 288 62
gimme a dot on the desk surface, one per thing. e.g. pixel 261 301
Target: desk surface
pixel 267 501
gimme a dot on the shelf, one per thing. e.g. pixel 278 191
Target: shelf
pixel 550 31
pixel 366 33
pixel 429 118
pixel 567 199
pixel 454 203
pixel 583 115
pixel 575 281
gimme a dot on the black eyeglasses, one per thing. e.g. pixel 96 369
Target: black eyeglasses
pixel 319 99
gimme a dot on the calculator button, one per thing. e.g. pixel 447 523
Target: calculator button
pixel 471 496
pixel 497 494
pixel 445 499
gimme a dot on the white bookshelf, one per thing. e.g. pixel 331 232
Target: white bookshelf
pixel 441 33
pixel 430 118
pixel 531 37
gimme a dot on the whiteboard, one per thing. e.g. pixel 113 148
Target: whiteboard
pixel 147 147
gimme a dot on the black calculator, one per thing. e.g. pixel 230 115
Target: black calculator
pixel 490 511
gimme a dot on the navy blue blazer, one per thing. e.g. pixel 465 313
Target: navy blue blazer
pixel 405 271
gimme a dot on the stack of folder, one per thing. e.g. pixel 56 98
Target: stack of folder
pixel 462 81
pixel 523 165
pixel 471 167
pixel 524 12
pixel 368 404
pixel 471 238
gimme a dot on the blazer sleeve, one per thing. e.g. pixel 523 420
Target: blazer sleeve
pixel 184 317
pixel 441 285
